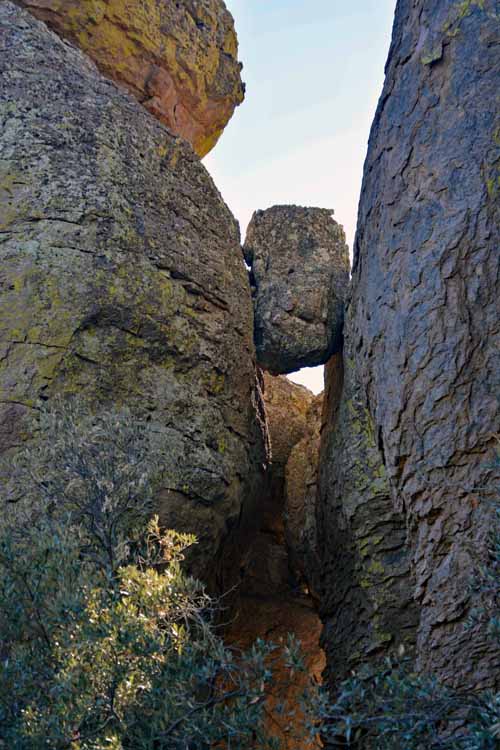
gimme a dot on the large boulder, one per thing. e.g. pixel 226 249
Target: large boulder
pixel 122 282
pixel 300 271
pixel 179 59
pixel 424 326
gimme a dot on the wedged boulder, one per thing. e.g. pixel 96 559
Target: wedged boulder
pixel 300 273
pixel 424 326
pixel 122 282
pixel 301 497
pixel 179 59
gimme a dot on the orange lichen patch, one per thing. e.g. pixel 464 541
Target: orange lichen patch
pixel 178 59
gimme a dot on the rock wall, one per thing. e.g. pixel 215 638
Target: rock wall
pixel 179 59
pixel 365 590
pixel 122 282
pixel 423 330
pixel 267 569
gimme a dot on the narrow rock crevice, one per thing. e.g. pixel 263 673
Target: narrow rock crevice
pixel 273 598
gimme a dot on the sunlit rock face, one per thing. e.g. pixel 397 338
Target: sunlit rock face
pixel 423 337
pixel 179 59
pixel 123 283
pixel 300 272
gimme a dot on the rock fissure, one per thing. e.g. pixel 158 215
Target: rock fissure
pixel 273 598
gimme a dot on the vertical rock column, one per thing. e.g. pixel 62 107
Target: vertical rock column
pixel 271 600
pixel 365 589
pixel 424 325
pixel 122 283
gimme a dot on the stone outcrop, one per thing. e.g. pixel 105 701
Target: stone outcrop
pixel 179 59
pixel 122 282
pixel 423 329
pixel 300 272
pixel 301 479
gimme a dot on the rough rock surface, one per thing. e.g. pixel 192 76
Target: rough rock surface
pixel 425 320
pixel 271 601
pixel 301 479
pixel 300 271
pixel 366 598
pixel 267 569
pixel 179 59
pixel 122 280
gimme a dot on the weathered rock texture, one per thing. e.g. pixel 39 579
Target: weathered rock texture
pixel 300 271
pixel 301 480
pixel 274 619
pixel 122 280
pixel 272 601
pixel 424 325
pixel 179 59
pixel 267 570
pixel 365 591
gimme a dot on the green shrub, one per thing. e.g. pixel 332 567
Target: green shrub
pixel 106 643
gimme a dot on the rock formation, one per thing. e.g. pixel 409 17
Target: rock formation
pixel 300 271
pixel 272 601
pixel 423 329
pixel 365 592
pixel 301 479
pixel 267 568
pixel 122 281
pixel 179 59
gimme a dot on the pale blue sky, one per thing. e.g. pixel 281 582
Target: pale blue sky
pixel 314 72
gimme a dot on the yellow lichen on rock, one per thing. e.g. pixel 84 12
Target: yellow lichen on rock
pixel 178 59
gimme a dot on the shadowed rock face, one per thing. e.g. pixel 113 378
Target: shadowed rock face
pixel 424 322
pixel 271 600
pixel 122 281
pixel 300 268
pixel 179 59
pixel 365 590
pixel 267 568
pixel 301 479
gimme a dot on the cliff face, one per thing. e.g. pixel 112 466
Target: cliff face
pixel 364 567
pixel 424 326
pixel 179 59
pixel 267 570
pixel 123 282
pixel 301 479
